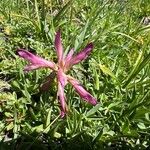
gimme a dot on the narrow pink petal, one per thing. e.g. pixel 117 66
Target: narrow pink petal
pixel 58 46
pixel 33 67
pixel 61 98
pixel 36 61
pixel 82 55
pixel 82 92
pixel 69 55
pixel 62 81
pixel 68 58
pixel 61 77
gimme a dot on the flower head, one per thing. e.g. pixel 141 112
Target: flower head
pixel 60 69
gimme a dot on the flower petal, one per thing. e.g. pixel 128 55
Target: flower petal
pixel 69 55
pixel 81 55
pixel 31 67
pixel 62 77
pixel 82 92
pixel 61 98
pixel 36 61
pixel 68 58
pixel 62 81
pixel 58 46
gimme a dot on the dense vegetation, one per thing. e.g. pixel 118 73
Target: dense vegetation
pixel 117 73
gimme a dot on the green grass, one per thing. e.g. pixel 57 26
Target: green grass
pixel 117 73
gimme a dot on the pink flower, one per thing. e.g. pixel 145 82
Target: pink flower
pixel 60 69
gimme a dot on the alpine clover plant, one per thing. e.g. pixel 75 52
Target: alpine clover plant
pixel 60 70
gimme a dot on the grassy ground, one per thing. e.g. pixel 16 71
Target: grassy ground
pixel 117 73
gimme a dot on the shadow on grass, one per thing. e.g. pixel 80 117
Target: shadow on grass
pixel 45 142
pixel 37 141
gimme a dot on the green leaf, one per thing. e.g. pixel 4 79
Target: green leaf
pixel 93 110
pixel 80 38
pixel 62 12
pixel 141 125
pixel 107 71
pixel 139 65
pixel 128 36
pixel 47 125
pixel 113 105
pixel 9 126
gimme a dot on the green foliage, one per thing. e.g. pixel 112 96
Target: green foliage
pixel 117 73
